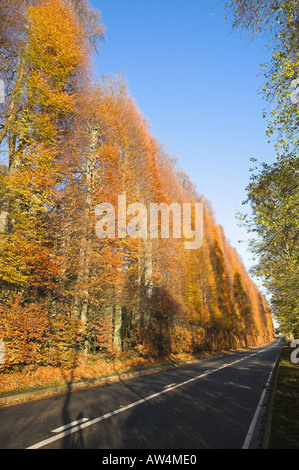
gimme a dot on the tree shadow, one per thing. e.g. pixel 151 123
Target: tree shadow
pixel 69 420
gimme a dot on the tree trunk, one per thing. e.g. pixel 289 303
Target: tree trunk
pixel 117 320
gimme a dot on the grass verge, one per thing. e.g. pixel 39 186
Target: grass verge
pixel 285 412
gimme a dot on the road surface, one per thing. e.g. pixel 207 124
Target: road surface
pixel 213 404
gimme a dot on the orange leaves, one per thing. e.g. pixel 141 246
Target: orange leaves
pixel 100 333
pixel 24 332
pixel 54 54
pixel 73 146
pixel 54 41
pixel 44 94
pixel 52 60
pixel 31 192
pixel 32 336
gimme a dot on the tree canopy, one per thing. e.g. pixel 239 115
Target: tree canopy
pixel 71 144
pixel 273 192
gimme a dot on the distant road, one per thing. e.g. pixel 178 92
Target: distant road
pixel 214 404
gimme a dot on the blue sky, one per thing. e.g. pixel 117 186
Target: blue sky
pixel 197 83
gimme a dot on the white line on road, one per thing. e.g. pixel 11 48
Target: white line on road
pixel 258 410
pixel 66 426
pixel 171 385
pixel 76 428
pixel 67 432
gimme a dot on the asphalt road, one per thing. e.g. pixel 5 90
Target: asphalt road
pixel 213 404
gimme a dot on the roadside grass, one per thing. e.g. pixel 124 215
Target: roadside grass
pixel 285 413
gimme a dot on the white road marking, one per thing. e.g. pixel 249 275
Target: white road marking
pixel 66 426
pixel 67 432
pixel 171 385
pixel 84 425
pixel 258 410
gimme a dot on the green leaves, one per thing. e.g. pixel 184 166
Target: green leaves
pixel 273 191
pixel 273 194
pixel 278 19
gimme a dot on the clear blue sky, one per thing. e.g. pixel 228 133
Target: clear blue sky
pixel 196 82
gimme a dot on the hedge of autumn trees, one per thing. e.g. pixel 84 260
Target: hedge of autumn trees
pixel 71 144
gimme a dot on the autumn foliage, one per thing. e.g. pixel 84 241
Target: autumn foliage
pixel 71 145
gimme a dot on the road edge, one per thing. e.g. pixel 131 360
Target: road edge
pixel 39 394
pixel 268 418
